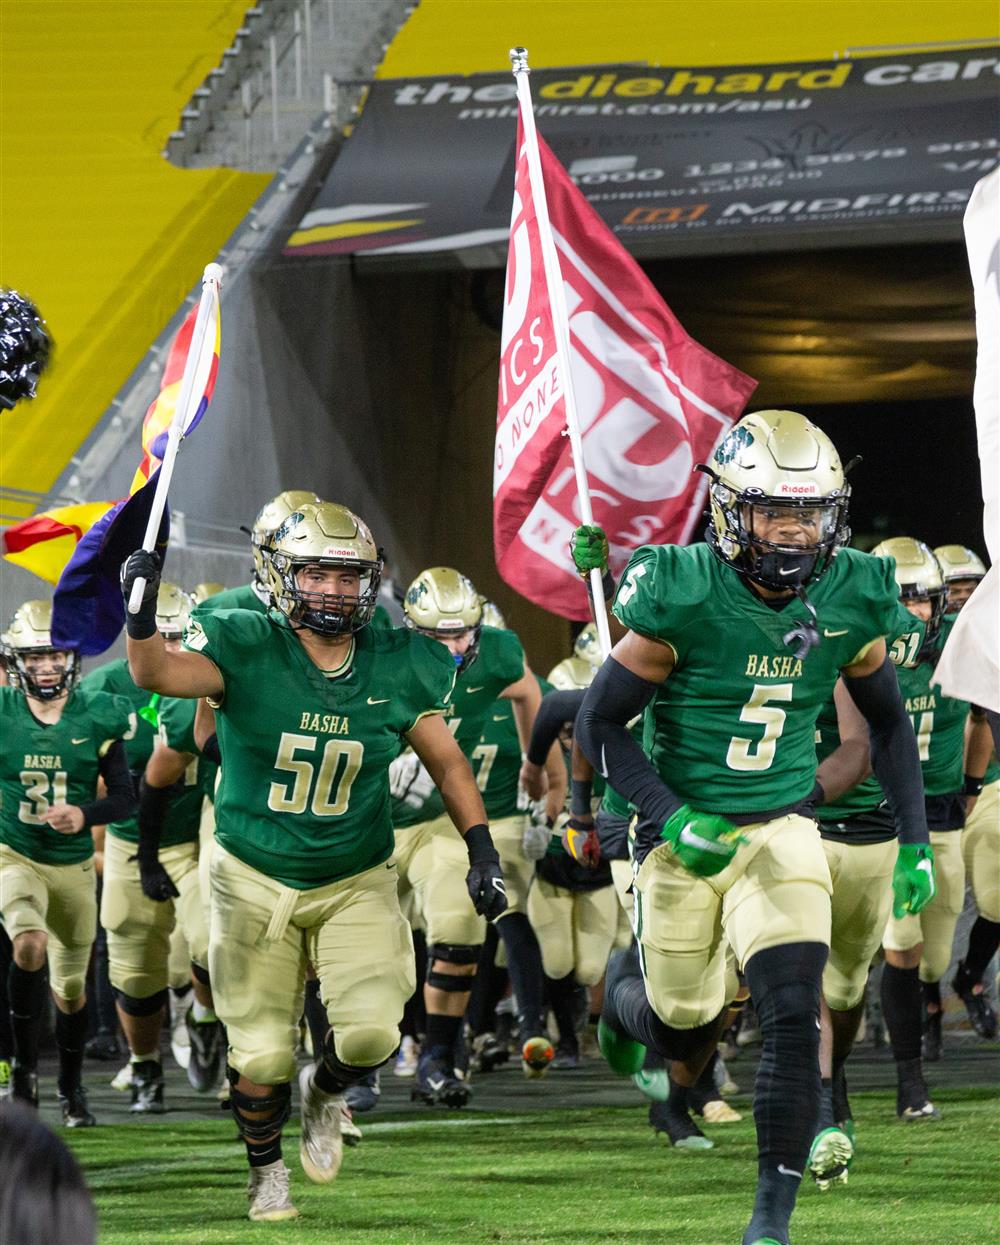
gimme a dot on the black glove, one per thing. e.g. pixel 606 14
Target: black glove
pixel 485 878
pixel 155 881
pixel 141 565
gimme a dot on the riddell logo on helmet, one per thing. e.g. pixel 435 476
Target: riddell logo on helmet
pixel 785 489
pixel 333 551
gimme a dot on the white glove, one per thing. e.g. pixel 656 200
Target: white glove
pixel 408 780
pixel 535 839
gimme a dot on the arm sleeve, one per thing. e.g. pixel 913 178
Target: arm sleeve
pixel 211 751
pixel 119 803
pixel 895 758
pixel 153 805
pixel 615 697
pixel 556 709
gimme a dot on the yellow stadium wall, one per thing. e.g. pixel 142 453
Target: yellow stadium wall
pixel 97 228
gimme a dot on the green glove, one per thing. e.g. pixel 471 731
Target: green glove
pixel 913 884
pixel 589 548
pixel 704 843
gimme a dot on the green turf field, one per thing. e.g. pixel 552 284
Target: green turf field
pixel 574 1176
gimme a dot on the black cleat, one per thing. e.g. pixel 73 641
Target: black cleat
pixel 24 1084
pixel 982 1017
pixel 206 1038
pixel 104 1047
pixel 147 1088
pixel 912 1099
pixel 677 1127
pixel 489 1051
pixel 75 1111
pixel 930 1044
pixel 437 1084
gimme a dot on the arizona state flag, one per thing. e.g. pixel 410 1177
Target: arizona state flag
pixel 44 543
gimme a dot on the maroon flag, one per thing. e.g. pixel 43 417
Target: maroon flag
pixel 651 402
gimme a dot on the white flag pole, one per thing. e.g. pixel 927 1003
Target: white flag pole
pixel 560 321
pixel 204 322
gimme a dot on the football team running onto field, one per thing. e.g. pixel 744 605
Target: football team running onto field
pixel 759 789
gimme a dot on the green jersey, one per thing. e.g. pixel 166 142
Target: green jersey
pixel 732 730
pixel 939 724
pixel 115 678
pixel 58 763
pixel 500 663
pixel 182 821
pixel 496 759
pixel 861 814
pixel 304 794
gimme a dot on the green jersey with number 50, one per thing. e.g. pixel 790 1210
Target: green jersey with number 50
pixel 57 763
pixel 304 795
pixel 732 730
pixel 500 662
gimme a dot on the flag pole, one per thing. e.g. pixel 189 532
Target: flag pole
pixel 560 322
pixel 211 281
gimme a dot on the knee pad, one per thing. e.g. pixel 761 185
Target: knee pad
pixel 786 984
pixel 148 1006
pixel 355 1043
pixel 453 983
pixel 257 1119
pixel 453 953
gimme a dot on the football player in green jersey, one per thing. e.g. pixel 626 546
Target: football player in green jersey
pixel 731 649
pixel 151 878
pixel 57 742
pixel 963 569
pixel 313 704
pixel 939 721
pixel 489 664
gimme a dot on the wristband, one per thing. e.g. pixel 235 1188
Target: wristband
pixel 609 585
pixel 141 626
pixel 479 845
pixel 972 786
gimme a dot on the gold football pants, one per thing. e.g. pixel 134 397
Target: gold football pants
pixel 935 925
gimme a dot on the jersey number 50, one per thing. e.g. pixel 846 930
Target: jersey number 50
pixel 325 803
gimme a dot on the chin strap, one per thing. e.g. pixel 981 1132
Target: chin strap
pixel 804 635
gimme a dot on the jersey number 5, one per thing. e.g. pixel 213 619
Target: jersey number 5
pixel 741 754
pixel 281 799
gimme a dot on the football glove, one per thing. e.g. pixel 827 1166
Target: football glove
pixel 141 565
pixel 485 877
pixel 537 834
pixel 409 781
pixel 589 549
pixel 155 881
pixel 579 840
pixel 704 843
pixel 913 882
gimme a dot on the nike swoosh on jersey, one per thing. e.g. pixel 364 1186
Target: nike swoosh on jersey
pixel 501 717
pixel 470 690
pixel 80 741
pixel 830 634
pixel 372 701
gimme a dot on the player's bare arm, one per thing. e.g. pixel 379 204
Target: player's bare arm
pixel 525 696
pixel 850 762
pixel 444 760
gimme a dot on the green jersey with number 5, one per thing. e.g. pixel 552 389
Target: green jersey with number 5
pixel 58 763
pixel 732 730
pixel 499 663
pixel 304 794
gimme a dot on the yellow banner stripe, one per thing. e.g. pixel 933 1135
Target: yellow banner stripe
pixel 347 229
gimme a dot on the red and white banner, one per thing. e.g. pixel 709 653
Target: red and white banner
pixel 651 402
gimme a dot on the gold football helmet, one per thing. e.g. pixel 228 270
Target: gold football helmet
pixel 268 520
pixel 961 569
pixel 588 646
pixel 211 588
pixel 443 604
pixel 919 577
pixel 173 608
pixel 775 471
pixel 326 535
pixel 492 617
pixel 30 634
pixel 572 674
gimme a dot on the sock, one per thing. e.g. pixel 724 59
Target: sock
pixel 838 1091
pixel 26 989
pixel 562 997
pixel 264 1153
pixel 931 991
pixel 71 1033
pixel 153 1057
pixel 441 1034
pixel 202 1014
pixel 902 1011
pixel 678 1099
pixel 984 938
pixel 826 1116
pixel 316 1018
pixel 706 1081
pixel 773 1205
pixel 524 964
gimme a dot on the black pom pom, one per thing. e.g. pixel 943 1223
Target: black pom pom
pixel 25 347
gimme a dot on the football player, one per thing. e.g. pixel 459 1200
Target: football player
pixel 442 604
pixel 732 648
pixel 151 884
pixel 923 942
pixel 312 705
pixel 57 742
pixel 963 570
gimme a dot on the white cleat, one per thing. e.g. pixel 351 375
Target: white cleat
pixel 348 1129
pixel 321 1148
pixel 122 1080
pixel 407 1059
pixel 268 1194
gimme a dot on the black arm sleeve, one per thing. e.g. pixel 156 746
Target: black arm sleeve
pixel 211 750
pixel 119 803
pixel 895 758
pixel 153 805
pixel 615 697
pixel 556 709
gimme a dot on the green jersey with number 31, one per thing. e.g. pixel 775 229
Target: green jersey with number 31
pixel 732 729
pixel 304 795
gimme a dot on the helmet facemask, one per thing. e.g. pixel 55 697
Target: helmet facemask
pixel 444 633
pixel 326 613
pixel 20 676
pixel 938 598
